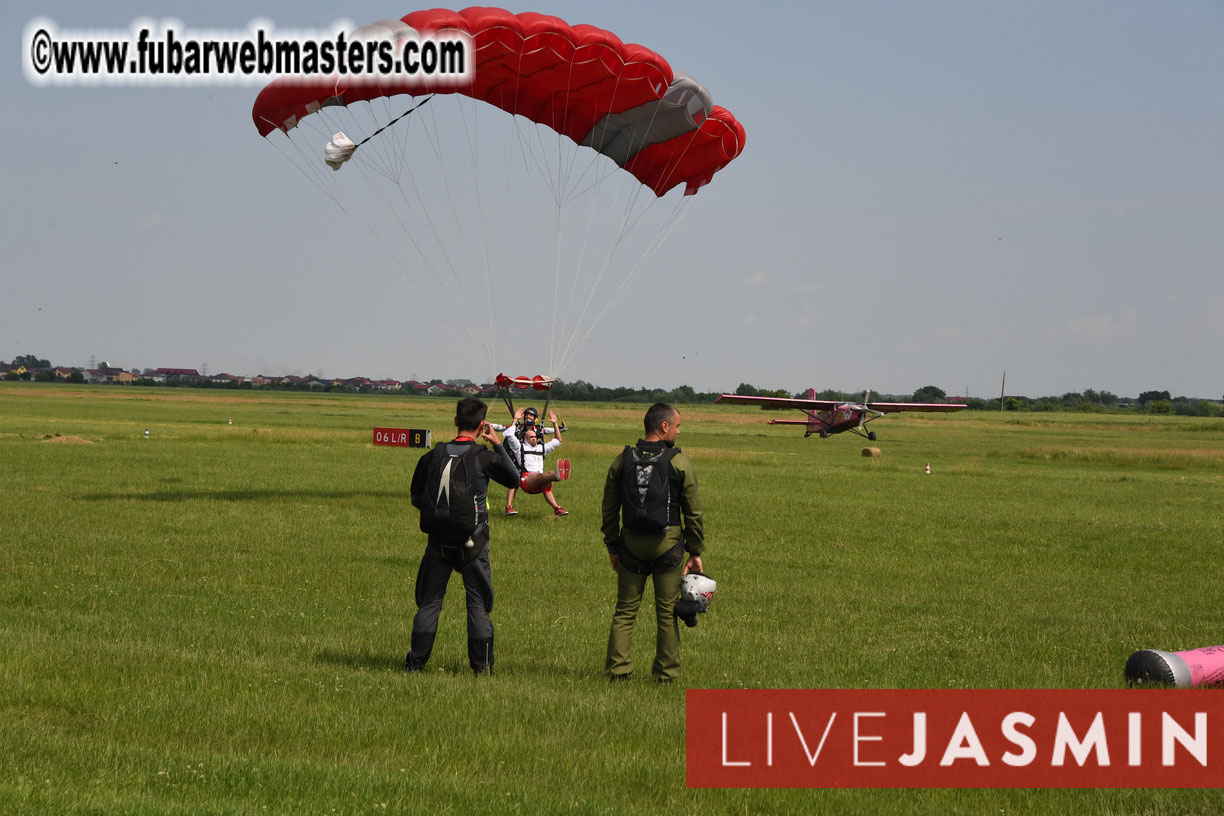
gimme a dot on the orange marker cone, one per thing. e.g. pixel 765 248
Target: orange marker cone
pixel 928 468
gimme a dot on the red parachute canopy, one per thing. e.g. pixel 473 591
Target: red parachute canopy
pixel 538 382
pixel 620 99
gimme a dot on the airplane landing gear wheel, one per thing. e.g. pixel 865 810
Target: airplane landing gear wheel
pixel 871 436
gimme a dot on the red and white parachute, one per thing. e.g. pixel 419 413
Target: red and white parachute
pixel 527 198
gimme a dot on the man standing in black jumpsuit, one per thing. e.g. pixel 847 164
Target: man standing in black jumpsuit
pixel 467 556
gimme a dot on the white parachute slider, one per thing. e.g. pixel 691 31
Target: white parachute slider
pixel 338 151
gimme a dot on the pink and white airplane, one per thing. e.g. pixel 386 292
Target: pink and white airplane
pixel 825 417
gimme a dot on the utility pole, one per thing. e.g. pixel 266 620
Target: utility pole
pixel 1003 390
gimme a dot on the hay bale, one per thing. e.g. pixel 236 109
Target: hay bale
pixel 871 451
pixel 69 440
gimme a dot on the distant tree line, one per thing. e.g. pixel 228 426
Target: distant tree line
pixel 1089 400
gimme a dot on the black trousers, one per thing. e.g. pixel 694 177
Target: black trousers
pixel 433 575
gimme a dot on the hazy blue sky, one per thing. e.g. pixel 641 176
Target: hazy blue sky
pixel 932 193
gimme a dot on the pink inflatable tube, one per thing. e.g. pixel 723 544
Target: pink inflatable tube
pixel 1197 667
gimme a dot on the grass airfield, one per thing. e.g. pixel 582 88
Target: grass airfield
pixel 212 619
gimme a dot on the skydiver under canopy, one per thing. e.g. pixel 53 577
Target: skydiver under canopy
pixel 529 452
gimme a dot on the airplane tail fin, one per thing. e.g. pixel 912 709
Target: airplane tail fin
pixel 813 424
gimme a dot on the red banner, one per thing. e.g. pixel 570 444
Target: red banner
pixel 955 738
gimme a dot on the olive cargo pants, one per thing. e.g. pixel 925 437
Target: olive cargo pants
pixel 630 588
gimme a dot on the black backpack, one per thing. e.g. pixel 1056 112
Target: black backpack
pixel 449 508
pixel 647 505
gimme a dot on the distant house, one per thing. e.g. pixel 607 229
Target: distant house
pixel 259 381
pixel 226 379
pixel 62 373
pixel 386 385
pixel 436 389
pixel 168 375
pixel 109 375
pixel 471 390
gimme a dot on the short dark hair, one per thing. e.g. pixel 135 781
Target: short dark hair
pixel 470 414
pixel 657 414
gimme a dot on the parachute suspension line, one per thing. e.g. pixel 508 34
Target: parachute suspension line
pixel 574 326
pixel 552 338
pixel 451 288
pixel 345 118
pixel 539 155
pixel 397 170
pixel 603 269
pixel 307 174
pixel 393 121
pixel 672 222
pixel 474 154
pixel 312 168
pixel 538 171
pixel 505 330
pixel 449 293
pixel 581 264
pixel 565 171
pixel 559 186
pixel 674 219
pixel 505 327
pixel 306 166
pixel 455 283
pixel 585 280
pixel 682 208
pixel 595 155
pixel 596 182
pixel 591 287
pixel 435 142
pixel 474 340
pixel 389 146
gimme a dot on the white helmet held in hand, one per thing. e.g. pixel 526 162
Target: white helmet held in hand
pixel 696 592
pixel 698 588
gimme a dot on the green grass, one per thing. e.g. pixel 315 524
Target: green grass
pixel 211 620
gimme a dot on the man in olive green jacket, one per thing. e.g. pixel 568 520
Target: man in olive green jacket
pixel 660 555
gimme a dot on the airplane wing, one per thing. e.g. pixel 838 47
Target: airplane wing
pixel 780 402
pixel 893 407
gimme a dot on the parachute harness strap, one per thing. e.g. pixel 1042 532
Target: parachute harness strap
pixel 505 395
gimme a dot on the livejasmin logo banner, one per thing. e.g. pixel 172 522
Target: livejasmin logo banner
pixel 968 738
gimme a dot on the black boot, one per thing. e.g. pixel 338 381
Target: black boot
pixel 480 655
pixel 422 646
